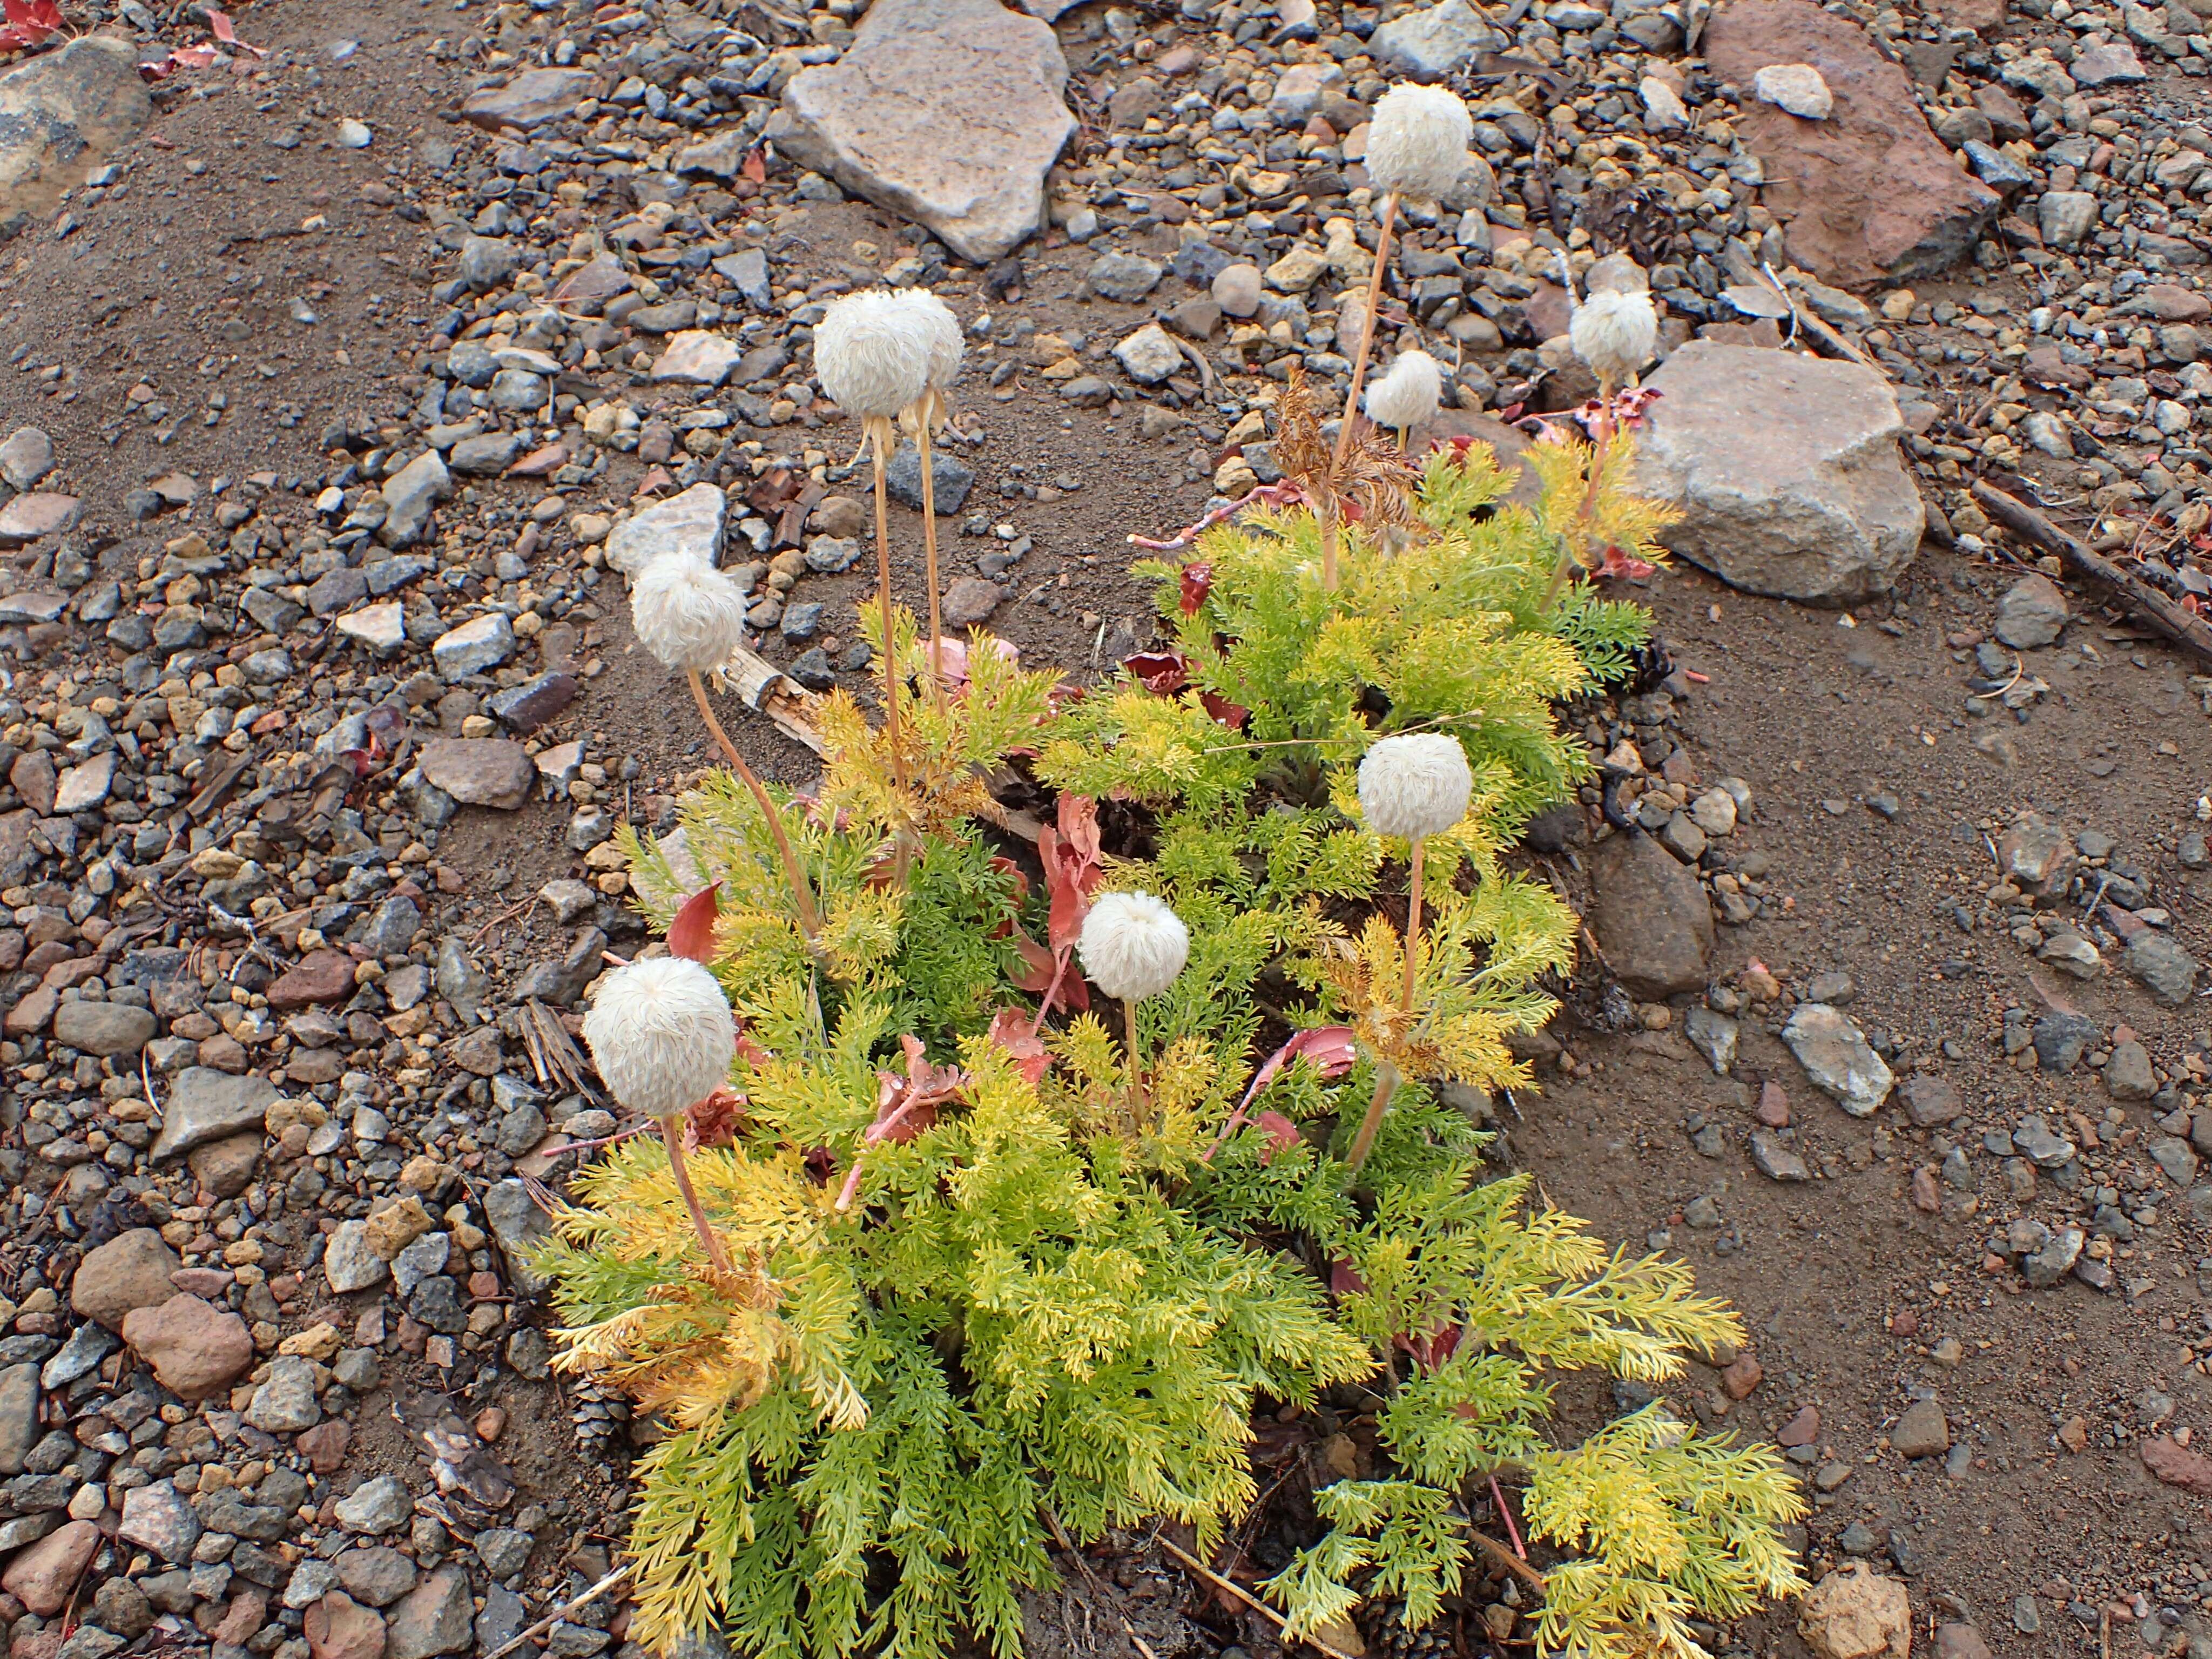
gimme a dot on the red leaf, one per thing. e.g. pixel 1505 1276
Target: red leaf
pixel 1163 673
pixel 713 1121
pixel 1072 867
pixel 692 933
pixel 1010 1030
pixel 1231 714
pixel 1038 965
pixel 1282 1135
pixel 220 22
pixel 1197 583
pixel 1344 1279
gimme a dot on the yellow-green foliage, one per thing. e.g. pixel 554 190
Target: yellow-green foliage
pixel 1058 1291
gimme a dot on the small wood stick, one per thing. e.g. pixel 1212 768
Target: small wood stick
pixel 562 1612
pixel 1246 1597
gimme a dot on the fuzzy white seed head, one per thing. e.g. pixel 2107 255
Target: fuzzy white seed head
pixel 873 352
pixel 687 613
pixel 661 1033
pixel 1132 946
pixel 1417 143
pixel 946 344
pixel 1414 786
pixel 1615 332
pixel 1408 394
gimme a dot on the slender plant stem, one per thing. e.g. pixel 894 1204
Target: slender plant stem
pixel 671 1131
pixel 1386 1085
pixel 878 431
pixel 1136 1063
pixel 1413 924
pixel 809 919
pixel 1372 321
pixel 1600 448
pixel 929 547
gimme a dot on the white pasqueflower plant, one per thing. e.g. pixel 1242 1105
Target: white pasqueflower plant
pixel 1409 394
pixel 934 320
pixel 1616 332
pixel 872 350
pixel 1132 946
pixel 687 613
pixel 1417 142
pixel 1415 785
pixel 661 1033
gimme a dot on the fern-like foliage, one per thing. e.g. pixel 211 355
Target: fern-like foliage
pixel 993 1267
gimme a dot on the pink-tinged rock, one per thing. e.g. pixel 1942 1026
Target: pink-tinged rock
pixel 697 358
pixel 529 100
pixel 318 976
pixel 479 771
pixel 34 778
pixel 539 462
pixel 879 120
pixel 43 1575
pixel 41 512
pixel 339 1627
pixel 1867 195
pixel 595 281
pixel 194 1348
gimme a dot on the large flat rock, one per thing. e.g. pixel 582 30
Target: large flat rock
pixel 1786 469
pixel 62 114
pixel 1867 195
pixel 947 111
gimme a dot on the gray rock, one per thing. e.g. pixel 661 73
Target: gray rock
pixel 1929 1101
pixel 502 1619
pixel 2128 1074
pixel 1126 278
pixel 476 647
pixel 108 1028
pixel 2052 1262
pixel 2104 64
pixel 2032 613
pixel 486 455
pixel 494 772
pixel 748 273
pixel 62 115
pixel 2060 1040
pixel 2065 217
pixel 26 458
pixel 505 1551
pixel 1650 918
pixel 1150 355
pixel 520 1227
pixel 285 1404
pixel 1922 1431
pixel 2167 970
pixel 377 1575
pixel 2035 853
pixel 159 1518
pixel 88 1344
pixel 2176 1159
pixel 348 1262
pixel 312 1580
pixel 1774 1156
pixel 1838 1058
pixel 420 1260
pixel 19 1416
pixel 949 477
pixel 409 496
pixel 206 1105
pixel 877 121
pixel 2035 1140
pixel 435 1617
pixel 1432 43
pixel 487 263
pixel 688 523
pixel 529 100
pixel 1821 510
pixel 376 1507
pixel 1712 1034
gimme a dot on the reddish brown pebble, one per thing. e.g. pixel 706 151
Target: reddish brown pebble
pixel 1774 1105
pixel 492 1423
pixel 1904 1322
pixel 1801 1430
pixel 1742 1377
pixel 483 1286
pixel 1926 1196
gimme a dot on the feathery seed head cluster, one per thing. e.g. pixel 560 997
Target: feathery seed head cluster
pixel 1616 331
pixel 874 351
pixel 1417 143
pixel 946 345
pixel 1408 394
pixel 1414 784
pixel 687 613
pixel 661 1033
pixel 1132 946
